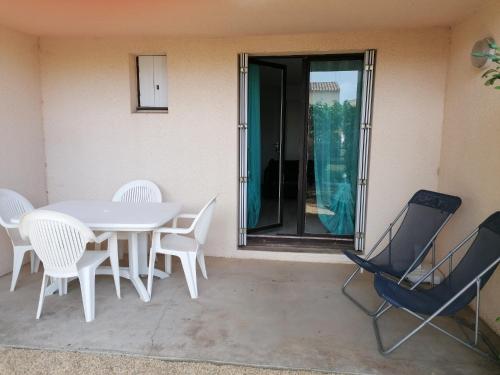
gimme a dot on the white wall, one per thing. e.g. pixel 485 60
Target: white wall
pixel 470 157
pixel 94 143
pixel 22 158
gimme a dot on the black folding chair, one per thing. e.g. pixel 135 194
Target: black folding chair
pixel 454 293
pixel 458 289
pixel 426 214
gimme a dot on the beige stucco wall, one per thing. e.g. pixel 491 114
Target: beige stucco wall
pixel 94 143
pixel 22 158
pixel 470 157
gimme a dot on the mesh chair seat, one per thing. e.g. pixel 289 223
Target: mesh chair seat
pixel 419 301
pixel 455 292
pixel 427 212
pixel 484 250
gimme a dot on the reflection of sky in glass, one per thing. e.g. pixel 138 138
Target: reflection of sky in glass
pixel 347 80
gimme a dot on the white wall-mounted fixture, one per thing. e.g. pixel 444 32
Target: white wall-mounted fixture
pixel 482 46
pixel 152 82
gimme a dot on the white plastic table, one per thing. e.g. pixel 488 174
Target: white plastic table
pixel 135 218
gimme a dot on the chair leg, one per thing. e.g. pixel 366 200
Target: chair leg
pixel 168 263
pixel 378 337
pixel 371 313
pixel 188 261
pixel 425 322
pixel 201 261
pixel 36 260
pixel 32 262
pixel 42 296
pixel 463 324
pixel 87 286
pixel 151 269
pixel 16 266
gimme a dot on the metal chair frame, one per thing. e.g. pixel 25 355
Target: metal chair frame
pixel 417 260
pixel 471 344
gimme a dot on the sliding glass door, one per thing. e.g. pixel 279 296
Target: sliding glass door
pixel 304 132
pixel 332 146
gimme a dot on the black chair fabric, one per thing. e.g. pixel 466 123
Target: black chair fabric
pixel 427 212
pixel 484 250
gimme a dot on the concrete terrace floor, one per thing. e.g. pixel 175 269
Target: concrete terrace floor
pixel 264 313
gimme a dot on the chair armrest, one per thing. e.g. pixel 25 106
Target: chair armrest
pixel 186 216
pixel 13 223
pixel 183 216
pixel 173 230
pixel 103 237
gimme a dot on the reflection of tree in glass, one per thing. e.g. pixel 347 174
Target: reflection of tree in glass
pixel 333 139
pixel 336 127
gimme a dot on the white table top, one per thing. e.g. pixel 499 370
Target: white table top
pixel 118 216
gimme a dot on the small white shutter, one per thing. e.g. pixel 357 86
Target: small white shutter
pixel 146 81
pixel 160 81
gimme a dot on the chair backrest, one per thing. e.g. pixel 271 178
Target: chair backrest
pixel 427 213
pixel 58 239
pixel 483 252
pixel 13 205
pixel 138 191
pixel 203 220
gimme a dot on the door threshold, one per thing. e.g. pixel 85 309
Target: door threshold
pixel 280 237
pixel 296 244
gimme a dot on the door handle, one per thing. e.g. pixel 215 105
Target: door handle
pixel 276 146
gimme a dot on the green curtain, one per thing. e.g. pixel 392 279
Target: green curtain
pixel 335 138
pixel 254 147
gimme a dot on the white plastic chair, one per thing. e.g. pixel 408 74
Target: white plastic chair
pixel 14 205
pixel 138 191
pixel 188 249
pixel 60 242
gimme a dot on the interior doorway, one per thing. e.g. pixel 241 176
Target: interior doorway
pixel 305 117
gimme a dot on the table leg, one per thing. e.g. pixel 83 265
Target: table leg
pixel 168 264
pixel 142 249
pixel 51 289
pixel 115 265
pixel 160 274
pixel 136 245
pixel 58 285
pixel 142 252
pixel 134 267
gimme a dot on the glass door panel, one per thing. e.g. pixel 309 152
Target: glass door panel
pixel 265 144
pixel 332 146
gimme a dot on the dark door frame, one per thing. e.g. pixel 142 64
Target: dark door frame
pixel 257 61
pixel 302 175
